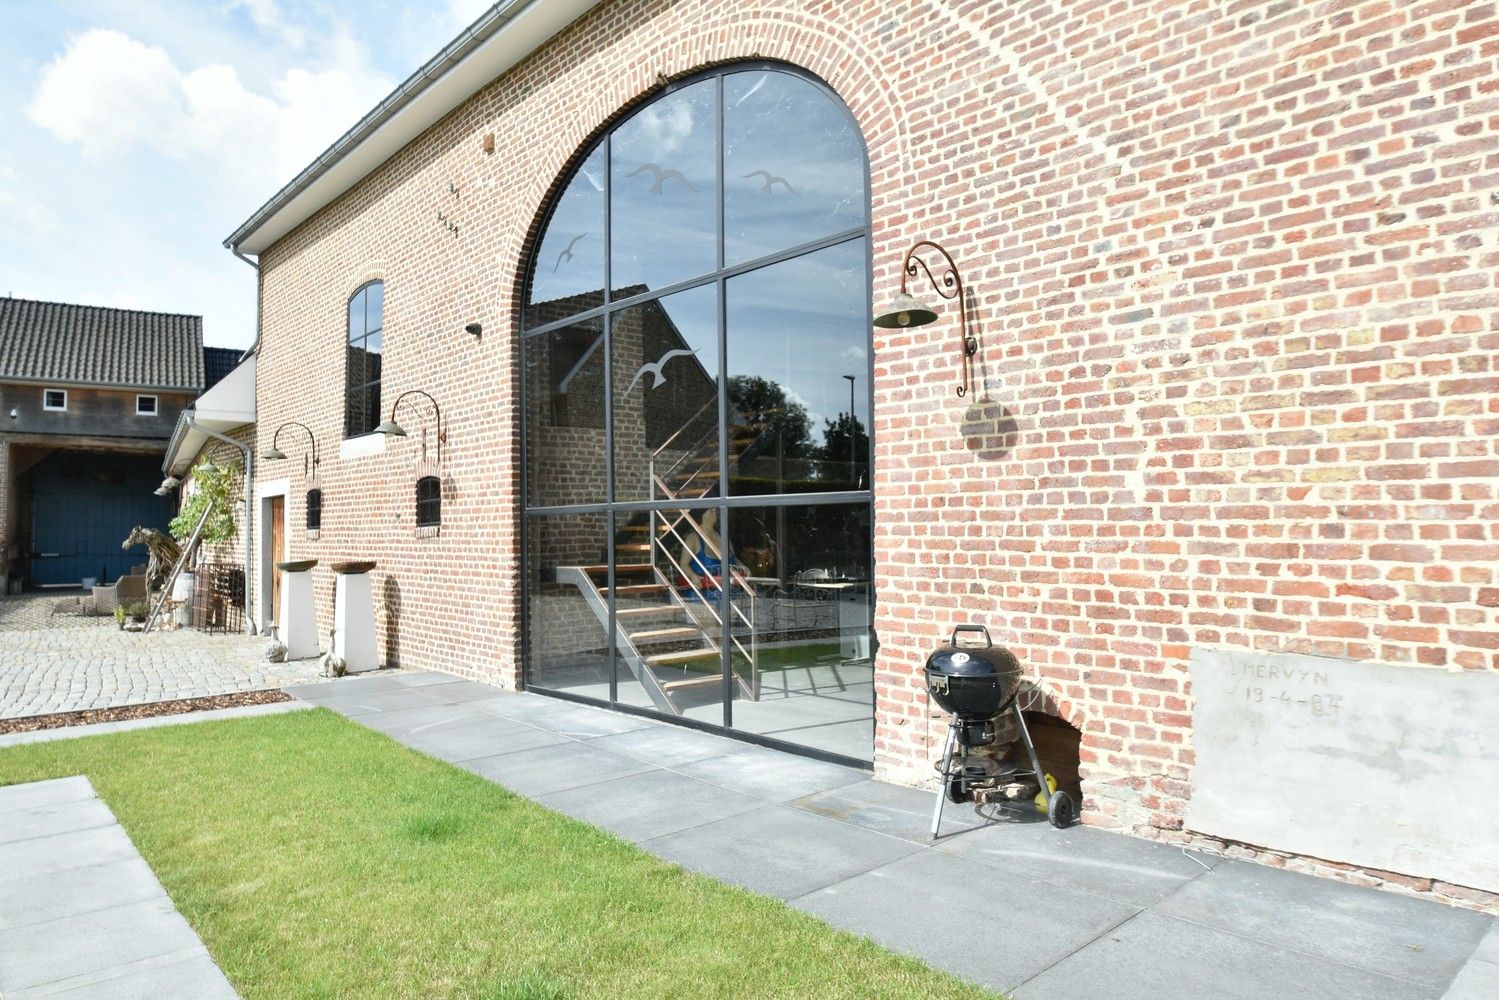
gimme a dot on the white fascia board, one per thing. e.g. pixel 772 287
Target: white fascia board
pixel 524 32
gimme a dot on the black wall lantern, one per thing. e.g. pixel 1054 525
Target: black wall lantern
pixel 394 429
pixel 275 454
pixel 428 483
pixel 908 311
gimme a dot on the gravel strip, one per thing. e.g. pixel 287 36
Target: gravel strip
pixel 181 706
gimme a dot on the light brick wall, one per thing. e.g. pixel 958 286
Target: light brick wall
pixel 1231 267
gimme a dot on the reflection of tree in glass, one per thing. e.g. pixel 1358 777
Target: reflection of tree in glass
pixel 761 401
pixel 845 441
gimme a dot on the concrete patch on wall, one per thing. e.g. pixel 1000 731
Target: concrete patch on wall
pixel 1383 766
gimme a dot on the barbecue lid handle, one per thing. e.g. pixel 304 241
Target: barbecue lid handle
pixel 953 641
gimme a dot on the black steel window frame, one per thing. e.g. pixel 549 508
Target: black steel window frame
pixel 361 421
pixel 314 509
pixel 606 311
pixel 429 502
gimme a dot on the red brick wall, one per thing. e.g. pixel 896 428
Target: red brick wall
pixel 1231 267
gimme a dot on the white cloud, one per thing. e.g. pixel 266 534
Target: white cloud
pixel 462 13
pixel 111 94
pixel 267 16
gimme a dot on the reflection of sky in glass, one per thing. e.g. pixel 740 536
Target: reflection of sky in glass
pixel 570 261
pixel 663 184
pixel 793 165
pixel 804 323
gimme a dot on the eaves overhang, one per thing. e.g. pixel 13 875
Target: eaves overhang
pixel 502 36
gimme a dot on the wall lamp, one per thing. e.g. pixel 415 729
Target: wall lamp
pixel 476 329
pixel 275 454
pixel 394 429
pixel 168 485
pixel 908 311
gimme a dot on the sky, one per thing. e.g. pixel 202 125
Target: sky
pixel 136 134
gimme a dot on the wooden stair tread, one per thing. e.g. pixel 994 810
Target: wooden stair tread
pixel 692 682
pixel 619 568
pixel 640 588
pixel 654 609
pixel 681 656
pixel 662 634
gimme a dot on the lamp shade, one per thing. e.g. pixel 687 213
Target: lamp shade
pixel 273 454
pixel 903 312
pixel 392 428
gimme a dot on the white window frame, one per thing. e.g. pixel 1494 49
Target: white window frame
pixel 55 409
pixel 155 405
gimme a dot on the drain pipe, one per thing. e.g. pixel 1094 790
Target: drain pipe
pixel 249 519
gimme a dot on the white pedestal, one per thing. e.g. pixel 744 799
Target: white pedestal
pixel 354 623
pixel 297 623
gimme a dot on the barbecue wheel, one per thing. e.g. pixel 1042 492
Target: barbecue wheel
pixel 1063 810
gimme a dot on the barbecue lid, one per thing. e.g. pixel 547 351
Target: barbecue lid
pixel 987 660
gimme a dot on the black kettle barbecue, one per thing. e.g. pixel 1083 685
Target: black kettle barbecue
pixel 977 685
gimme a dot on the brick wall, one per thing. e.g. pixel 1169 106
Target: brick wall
pixel 1231 268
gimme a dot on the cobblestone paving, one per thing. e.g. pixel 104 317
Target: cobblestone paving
pixel 65 662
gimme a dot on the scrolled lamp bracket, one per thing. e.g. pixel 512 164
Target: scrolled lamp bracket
pixel 947 283
pixel 393 428
pixel 274 452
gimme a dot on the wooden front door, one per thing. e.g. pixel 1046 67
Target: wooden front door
pixel 278 552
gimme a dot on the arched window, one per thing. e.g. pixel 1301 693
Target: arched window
pixel 428 503
pixel 314 510
pixel 697 409
pixel 362 372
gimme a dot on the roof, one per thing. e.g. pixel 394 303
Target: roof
pixel 502 36
pixel 218 362
pixel 225 406
pixel 64 344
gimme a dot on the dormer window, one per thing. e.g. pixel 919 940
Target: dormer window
pixel 55 399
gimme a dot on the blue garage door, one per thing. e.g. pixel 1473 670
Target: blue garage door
pixel 83 506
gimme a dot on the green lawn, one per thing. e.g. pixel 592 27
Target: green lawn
pixel 317 858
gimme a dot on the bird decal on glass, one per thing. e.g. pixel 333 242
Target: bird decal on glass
pixel 567 252
pixel 662 175
pixel 770 180
pixel 658 378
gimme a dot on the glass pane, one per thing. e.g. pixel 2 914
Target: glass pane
pixel 664 192
pixel 793 165
pixel 798 363
pixel 800 618
pixel 355 409
pixel 568 275
pixel 371 408
pixel 567 609
pixel 668 604
pixel 374 306
pixel 356 315
pixel 565 446
pixel 665 359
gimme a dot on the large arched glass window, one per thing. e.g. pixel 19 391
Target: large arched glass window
pixel 697 387
pixel 362 371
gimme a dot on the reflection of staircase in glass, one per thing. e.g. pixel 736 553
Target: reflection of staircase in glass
pixel 668 612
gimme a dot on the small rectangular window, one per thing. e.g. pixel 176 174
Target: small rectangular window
pixel 145 406
pixel 428 505
pixel 54 399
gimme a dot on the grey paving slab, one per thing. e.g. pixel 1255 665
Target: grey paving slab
pixel 480 738
pixel 1121 867
pixel 653 804
pixel 462 690
pixel 1488 948
pixel 43 855
pixel 667 746
pixel 955 914
pixel 779 851
pixel 555 768
pixel 152 722
pixel 35 793
pixel 1154 956
pixel 189 976
pixel 347 687
pixel 32 899
pixel 1478 980
pixel 401 722
pixel 1417 940
pixel 48 818
pixel 356 703
pixel 422 678
pixel 36 954
pixel 890 809
pixel 771 775
pixel 566 718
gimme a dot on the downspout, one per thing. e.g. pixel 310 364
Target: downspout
pixel 256 265
pixel 249 520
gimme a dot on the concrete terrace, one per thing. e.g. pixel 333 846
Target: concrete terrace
pixel 1011 904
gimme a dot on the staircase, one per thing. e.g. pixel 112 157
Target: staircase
pixel 670 634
